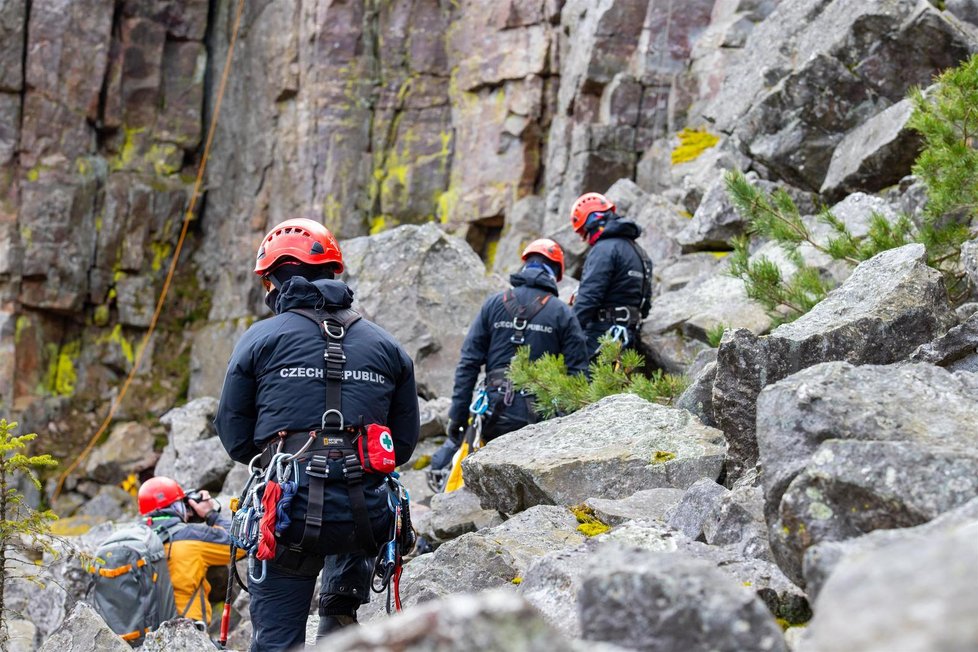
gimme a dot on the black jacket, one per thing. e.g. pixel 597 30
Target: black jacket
pixel 276 381
pixel 613 274
pixel 553 330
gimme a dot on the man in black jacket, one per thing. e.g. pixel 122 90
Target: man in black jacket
pixel 616 284
pixel 276 391
pixel 529 314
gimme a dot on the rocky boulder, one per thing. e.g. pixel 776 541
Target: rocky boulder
pixel 847 450
pixel 553 582
pixel 610 449
pixel 489 558
pixel 915 595
pixel 178 635
pixel 669 601
pixel 697 503
pixel 969 260
pixel 434 416
pixel 704 304
pixel 956 350
pixel 129 449
pixel 876 154
pixel 697 398
pixel 194 456
pixel 645 505
pixel 82 631
pixel 455 513
pixel 890 304
pixel 493 621
pixel 424 287
pixel 822 559
pixel 815 69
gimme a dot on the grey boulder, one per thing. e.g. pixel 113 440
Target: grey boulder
pixel 956 350
pixel 489 558
pixel 823 558
pixel 669 601
pixel 914 596
pixel 890 304
pixel 83 631
pixel 610 449
pixel 846 450
pixel 494 621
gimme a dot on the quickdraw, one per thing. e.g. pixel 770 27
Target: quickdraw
pixel 253 523
pixel 390 559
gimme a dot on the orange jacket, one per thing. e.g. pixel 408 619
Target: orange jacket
pixel 192 548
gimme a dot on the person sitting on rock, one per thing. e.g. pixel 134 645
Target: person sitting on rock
pixel 528 314
pixel 616 284
pixel 195 536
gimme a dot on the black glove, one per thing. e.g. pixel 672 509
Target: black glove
pixel 443 456
pixel 455 432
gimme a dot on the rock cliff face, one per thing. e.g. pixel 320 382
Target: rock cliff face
pixel 436 138
pixel 487 118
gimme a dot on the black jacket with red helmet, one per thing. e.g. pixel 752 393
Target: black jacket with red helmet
pixel 276 379
pixel 552 330
pixel 613 276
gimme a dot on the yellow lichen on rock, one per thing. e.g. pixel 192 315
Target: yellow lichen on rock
pixel 692 143
pixel 590 525
pixel 661 457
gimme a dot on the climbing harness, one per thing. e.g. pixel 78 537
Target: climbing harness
pixel 521 314
pixel 390 559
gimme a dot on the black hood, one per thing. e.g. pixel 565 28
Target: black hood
pixel 297 292
pixel 621 229
pixel 534 278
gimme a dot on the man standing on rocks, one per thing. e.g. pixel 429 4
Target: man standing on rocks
pixel 528 314
pixel 281 393
pixel 616 285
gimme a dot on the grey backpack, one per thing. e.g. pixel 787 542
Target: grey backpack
pixel 132 590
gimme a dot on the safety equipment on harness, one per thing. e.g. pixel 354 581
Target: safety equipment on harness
pixel 472 440
pixel 376 449
pixel 298 240
pixel 549 250
pixel 591 202
pixel 628 315
pixel 643 307
pixel 389 562
pixel 157 493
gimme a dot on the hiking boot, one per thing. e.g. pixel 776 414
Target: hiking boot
pixel 330 624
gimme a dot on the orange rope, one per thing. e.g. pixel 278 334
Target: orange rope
pixel 187 218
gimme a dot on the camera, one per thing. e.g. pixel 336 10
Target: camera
pixel 195 496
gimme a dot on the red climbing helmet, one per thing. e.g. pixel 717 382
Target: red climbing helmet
pixel 298 239
pixel 549 250
pixel 157 493
pixel 591 202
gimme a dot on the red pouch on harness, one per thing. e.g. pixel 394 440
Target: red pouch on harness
pixel 376 449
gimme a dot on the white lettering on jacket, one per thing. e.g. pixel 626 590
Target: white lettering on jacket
pixel 368 376
pixel 348 374
pixel 301 372
pixel 542 328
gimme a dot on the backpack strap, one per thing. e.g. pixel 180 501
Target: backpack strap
pixel 522 314
pixel 333 326
pixel 643 306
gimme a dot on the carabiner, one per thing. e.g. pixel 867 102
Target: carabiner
pixel 481 403
pixel 251 570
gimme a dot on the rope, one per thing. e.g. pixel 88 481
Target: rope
pixel 187 218
pixel 266 536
